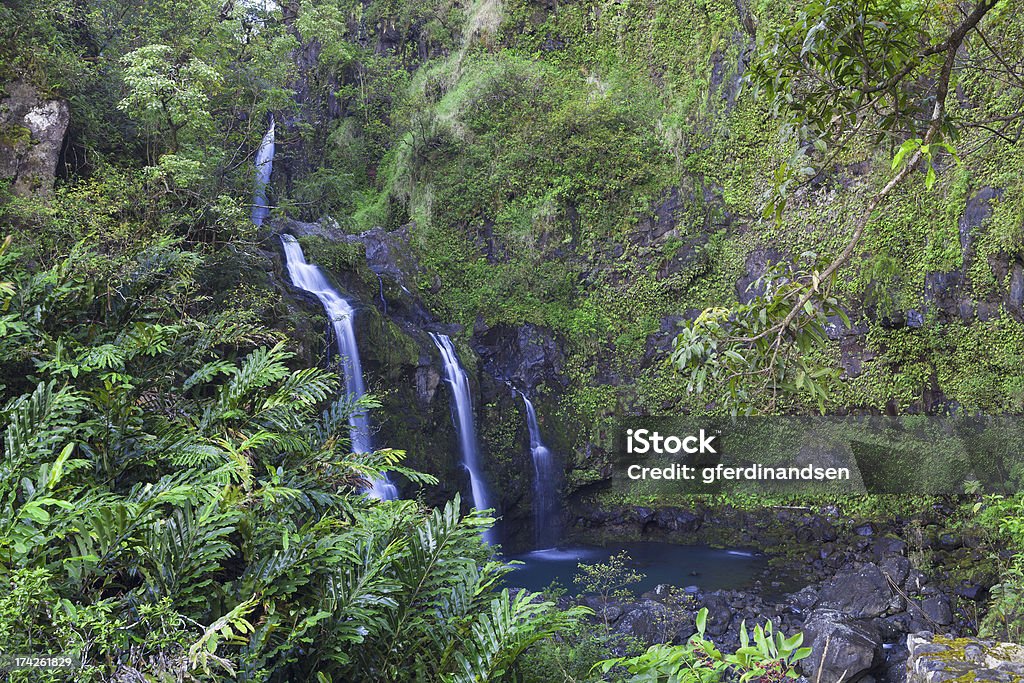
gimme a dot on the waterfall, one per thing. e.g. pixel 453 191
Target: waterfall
pixel 545 483
pixel 383 301
pixel 264 166
pixel 308 277
pixel 462 416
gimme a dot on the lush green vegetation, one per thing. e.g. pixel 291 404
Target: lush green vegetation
pixel 179 504
pixel 769 659
pixel 178 498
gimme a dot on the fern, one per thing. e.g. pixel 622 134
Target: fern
pixel 151 479
pixel 497 637
pixel 182 550
pixel 38 424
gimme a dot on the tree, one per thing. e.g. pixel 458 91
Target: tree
pixel 168 92
pixel 610 580
pixel 846 72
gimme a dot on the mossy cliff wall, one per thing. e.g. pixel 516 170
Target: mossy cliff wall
pixel 403 369
pixel 594 173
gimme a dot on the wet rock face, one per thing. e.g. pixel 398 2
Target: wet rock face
pixel 1015 292
pixel 526 355
pixel 377 274
pixel 652 228
pixel 758 262
pixel 976 212
pixel 32 133
pixel 949 295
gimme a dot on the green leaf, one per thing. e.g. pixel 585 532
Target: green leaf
pixel 57 470
pixel 36 513
pixel 702 621
pixel 905 148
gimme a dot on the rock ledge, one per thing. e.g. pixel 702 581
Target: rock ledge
pixel 937 659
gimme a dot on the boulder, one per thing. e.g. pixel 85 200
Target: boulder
pixel 817 530
pixel 950 542
pixel 862 593
pixel 719 614
pixel 648 621
pixel 936 610
pixel 896 568
pixel 971 591
pixel 841 648
pixel 609 612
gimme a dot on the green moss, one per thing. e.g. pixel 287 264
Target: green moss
pixel 956 652
pixel 500 431
pixel 15 136
pixel 528 157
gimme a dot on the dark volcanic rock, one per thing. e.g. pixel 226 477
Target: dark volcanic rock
pixel 972 591
pixel 1015 293
pixel 675 519
pixel 861 594
pixel 896 568
pixel 976 212
pixel 842 648
pixel 648 620
pixel 651 229
pixel 757 264
pixel 937 610
pixel 719 614
pixel 526 355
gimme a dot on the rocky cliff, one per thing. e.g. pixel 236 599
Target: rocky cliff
pixel 32 130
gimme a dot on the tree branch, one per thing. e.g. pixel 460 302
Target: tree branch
pixel 951 46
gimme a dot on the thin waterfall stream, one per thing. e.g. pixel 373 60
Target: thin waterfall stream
pixel 342 316
pixel 462 416
pixel 264 167
pixel 545 483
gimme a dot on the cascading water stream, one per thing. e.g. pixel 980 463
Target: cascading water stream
pixel 545 483
pixel 264 166
pixel 383 301
pixel 462 416
pixel 308 277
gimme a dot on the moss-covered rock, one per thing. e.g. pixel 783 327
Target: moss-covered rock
pixel 936 658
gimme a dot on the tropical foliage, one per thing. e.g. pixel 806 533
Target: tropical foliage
pixel 178 499
pixel 765 655
pixel 175 511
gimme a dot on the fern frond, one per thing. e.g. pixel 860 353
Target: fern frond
pixel 40 423
pixel 181 551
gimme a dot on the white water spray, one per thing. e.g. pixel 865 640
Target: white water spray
pixel 462 415
pixel 264 167
pixel 308 277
